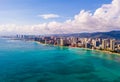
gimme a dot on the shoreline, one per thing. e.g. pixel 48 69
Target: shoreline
pixel 109 52
pixel 104 51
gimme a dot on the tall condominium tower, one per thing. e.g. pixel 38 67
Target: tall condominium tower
pixel 112 44
pixel 104 44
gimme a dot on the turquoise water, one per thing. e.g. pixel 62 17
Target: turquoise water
pixel 22 61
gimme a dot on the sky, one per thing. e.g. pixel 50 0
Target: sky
pixel 58 16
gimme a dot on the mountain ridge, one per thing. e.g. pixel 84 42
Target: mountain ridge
pixel 110 34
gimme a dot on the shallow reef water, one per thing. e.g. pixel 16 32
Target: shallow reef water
pixel 22 61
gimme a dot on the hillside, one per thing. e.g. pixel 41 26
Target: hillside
pixel 111 34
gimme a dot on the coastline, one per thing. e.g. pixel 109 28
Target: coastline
pixel 108 52
pixel 104 51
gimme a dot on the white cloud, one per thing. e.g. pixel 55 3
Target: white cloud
pixel 49 16
pixel 105 18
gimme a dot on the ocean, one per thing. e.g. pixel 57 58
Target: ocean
pixel 26 61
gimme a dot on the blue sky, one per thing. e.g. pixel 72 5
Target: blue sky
pixel 26 11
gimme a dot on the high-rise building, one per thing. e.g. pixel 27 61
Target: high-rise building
pixel 88 45
pixel 58 41
pixel 96 43
pixel 104 44
pixel 112 45
pixel 63 42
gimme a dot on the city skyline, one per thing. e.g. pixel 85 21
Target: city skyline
pixel 58 17
pixel 105 44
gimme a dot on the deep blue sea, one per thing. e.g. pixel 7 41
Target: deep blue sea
pixel 23 61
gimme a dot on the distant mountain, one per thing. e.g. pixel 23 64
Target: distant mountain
pixel 111 34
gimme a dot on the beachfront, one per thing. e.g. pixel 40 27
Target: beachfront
pixel 111 46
